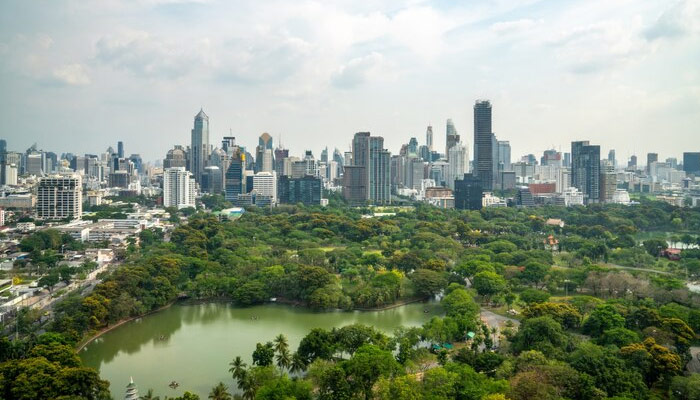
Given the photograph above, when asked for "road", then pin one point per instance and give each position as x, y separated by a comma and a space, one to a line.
497, 321
653, 271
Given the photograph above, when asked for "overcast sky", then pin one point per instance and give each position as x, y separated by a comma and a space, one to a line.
79, 75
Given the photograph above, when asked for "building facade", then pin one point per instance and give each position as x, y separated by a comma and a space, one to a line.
199, 148
179, 188
59, 197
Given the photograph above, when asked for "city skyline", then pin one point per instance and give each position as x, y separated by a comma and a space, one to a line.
390, 69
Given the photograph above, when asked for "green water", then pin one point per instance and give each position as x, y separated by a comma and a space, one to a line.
200, 340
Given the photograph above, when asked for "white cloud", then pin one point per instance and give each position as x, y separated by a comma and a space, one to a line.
507, 27
72, 74
358, 71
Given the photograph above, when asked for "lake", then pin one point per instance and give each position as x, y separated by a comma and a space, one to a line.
193, 344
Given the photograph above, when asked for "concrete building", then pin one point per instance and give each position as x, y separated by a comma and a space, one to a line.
200, 148
468, 193
458, 164
585, 170
59, 197
451, 136
265, 184
179, 188
372, 178
691, 163
176, 158
306, 190
10, 177
429, 138
483, 144
212, 180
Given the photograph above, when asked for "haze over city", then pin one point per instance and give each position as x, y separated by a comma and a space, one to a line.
76, 77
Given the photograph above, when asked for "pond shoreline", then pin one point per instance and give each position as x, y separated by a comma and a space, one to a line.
189, 301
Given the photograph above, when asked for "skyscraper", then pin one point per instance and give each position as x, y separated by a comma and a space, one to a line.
611, 158
651, 158
483, 144
199, 150
632, 162
585, 170
504, 155
264, 153
691, 163
234, 183
120, 149
178, 188
176, 157
451, 136
59, 197
468, 193
458, 164
371, 177
429, 138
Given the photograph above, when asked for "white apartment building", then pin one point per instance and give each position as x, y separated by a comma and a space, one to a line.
265, 183
572, 197
59, 197
458, 164
179, 188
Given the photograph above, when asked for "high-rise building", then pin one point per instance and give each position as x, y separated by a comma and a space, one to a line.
608, 181
483, 144
280, 154
651, 158
199, 149
179, 188
429, 138
120, 149
372, 178
3, 160
234, 182
263, 157
324, 155
632, 163
212, 180
413, 146
504, 155
265, 184
611, 158
468, 193
451, 136
458, 164
306, 190
691, 163
10, 175
59, 197
176, 157
35, 163
551, 157
585, 170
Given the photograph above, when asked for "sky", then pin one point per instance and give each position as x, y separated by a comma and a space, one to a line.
77, 76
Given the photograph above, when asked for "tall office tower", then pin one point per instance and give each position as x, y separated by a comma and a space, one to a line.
551, 157
567, 160
265, 184
324, 155
483, 144
178, 188
651, 158
212, 180
468, 193
138, 162
585, 170
199, 150
10, 175
50, 162
120, 149
458, 164
3, 151
424, 153
608, 181
611, 158
228, 143
234, 182
176, 157
35, 163
451, 136
306, 190
372, 178
280, 154
338, 158
264, 144
413, 146
504, 155
429, 138
59, 197
691, 163
632, 163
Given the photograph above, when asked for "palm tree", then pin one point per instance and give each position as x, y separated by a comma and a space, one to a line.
298, 364
281, 344
219, 392
149, 396
237, 369
284, 359
248, 386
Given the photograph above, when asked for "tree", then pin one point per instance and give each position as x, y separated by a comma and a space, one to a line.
333, 384
655, 246
608, 371
530, 296
263, 354
685, 387
543, 334
534, 272
369, 364
488, 283
351, 337
653, 360
49, 281
283, 358
563, 313
220, 392
619, 337
428, 283
319, 343
237, 369
603, 318
459, 303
